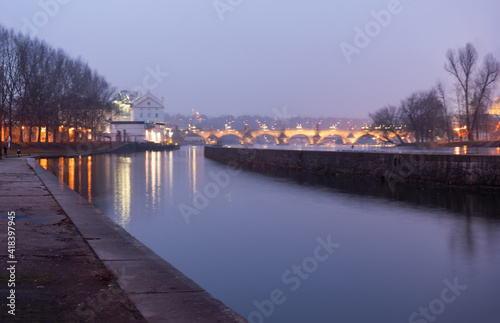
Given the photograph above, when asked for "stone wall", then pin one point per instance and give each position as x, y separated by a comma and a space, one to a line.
475, 171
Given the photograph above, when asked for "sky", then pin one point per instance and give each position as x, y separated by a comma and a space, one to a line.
276, 58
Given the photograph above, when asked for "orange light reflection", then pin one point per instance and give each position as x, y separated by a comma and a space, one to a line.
43, 162
71, 173
89, 178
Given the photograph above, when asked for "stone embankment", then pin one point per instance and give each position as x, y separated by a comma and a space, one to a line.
65, 261
468, 171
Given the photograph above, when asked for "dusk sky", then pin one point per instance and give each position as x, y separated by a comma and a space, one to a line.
272, 58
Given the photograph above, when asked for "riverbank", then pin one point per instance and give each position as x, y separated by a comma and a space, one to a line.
470, 144
74, 149
478, 172
74, 264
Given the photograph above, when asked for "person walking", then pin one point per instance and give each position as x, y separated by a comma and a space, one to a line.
19, 153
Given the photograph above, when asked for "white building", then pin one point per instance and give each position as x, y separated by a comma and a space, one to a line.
146, 123
140, 131
148, 109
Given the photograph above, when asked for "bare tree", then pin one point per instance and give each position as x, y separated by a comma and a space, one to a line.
3, 81
474, 85
10, 76
388, 120
42, 88
423, 115
440, 92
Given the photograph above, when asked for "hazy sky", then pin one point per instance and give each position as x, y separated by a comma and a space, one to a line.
314, 58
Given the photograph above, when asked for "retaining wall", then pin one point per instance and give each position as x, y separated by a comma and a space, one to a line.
475, 171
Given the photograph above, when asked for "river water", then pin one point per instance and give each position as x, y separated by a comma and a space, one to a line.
286, 247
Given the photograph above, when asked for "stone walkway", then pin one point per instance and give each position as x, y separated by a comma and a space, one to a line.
75, 265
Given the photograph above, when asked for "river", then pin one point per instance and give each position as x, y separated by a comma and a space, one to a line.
286, 247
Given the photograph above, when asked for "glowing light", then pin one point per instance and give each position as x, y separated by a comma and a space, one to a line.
89, 178
61, 172
71, 173
122, 189
43, 162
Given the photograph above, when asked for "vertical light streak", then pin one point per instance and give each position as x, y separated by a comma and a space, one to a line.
89, 178
122, 190
61, 172
43, 162
71, 173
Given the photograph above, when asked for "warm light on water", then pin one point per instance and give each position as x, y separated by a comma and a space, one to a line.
248, 232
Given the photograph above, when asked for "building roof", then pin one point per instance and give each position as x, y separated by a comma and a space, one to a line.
148, 97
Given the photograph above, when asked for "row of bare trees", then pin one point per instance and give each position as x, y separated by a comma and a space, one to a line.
42, 88
422, 114
427, 115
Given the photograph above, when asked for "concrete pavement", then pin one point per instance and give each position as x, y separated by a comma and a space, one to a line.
76, 265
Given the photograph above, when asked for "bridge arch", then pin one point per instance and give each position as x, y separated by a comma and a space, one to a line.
333, 140
300, 137
265, 139
366, 139
227, 138
194, 139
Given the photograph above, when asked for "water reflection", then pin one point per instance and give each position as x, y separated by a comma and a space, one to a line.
89, 178
170, 175
80, 173
398, 242
61, 172
153, 189
193, 171
122, 189
459, 201
43, 163
71, 173
116, 174
464, 150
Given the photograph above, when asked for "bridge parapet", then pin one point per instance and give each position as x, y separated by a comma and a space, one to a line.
315, 136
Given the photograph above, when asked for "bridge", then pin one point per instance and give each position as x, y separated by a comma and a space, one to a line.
281, 137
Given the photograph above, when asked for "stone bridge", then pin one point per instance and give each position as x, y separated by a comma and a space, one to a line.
281, 137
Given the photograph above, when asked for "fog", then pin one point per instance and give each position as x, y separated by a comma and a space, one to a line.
274, 58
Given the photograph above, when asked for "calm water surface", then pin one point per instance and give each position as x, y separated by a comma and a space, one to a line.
251, 238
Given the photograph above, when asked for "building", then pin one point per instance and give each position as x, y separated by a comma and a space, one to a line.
148, 109
495, 107
140, 131
145, 122
495, 118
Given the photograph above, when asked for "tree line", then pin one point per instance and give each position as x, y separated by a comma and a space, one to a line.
428, 115
43, 89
